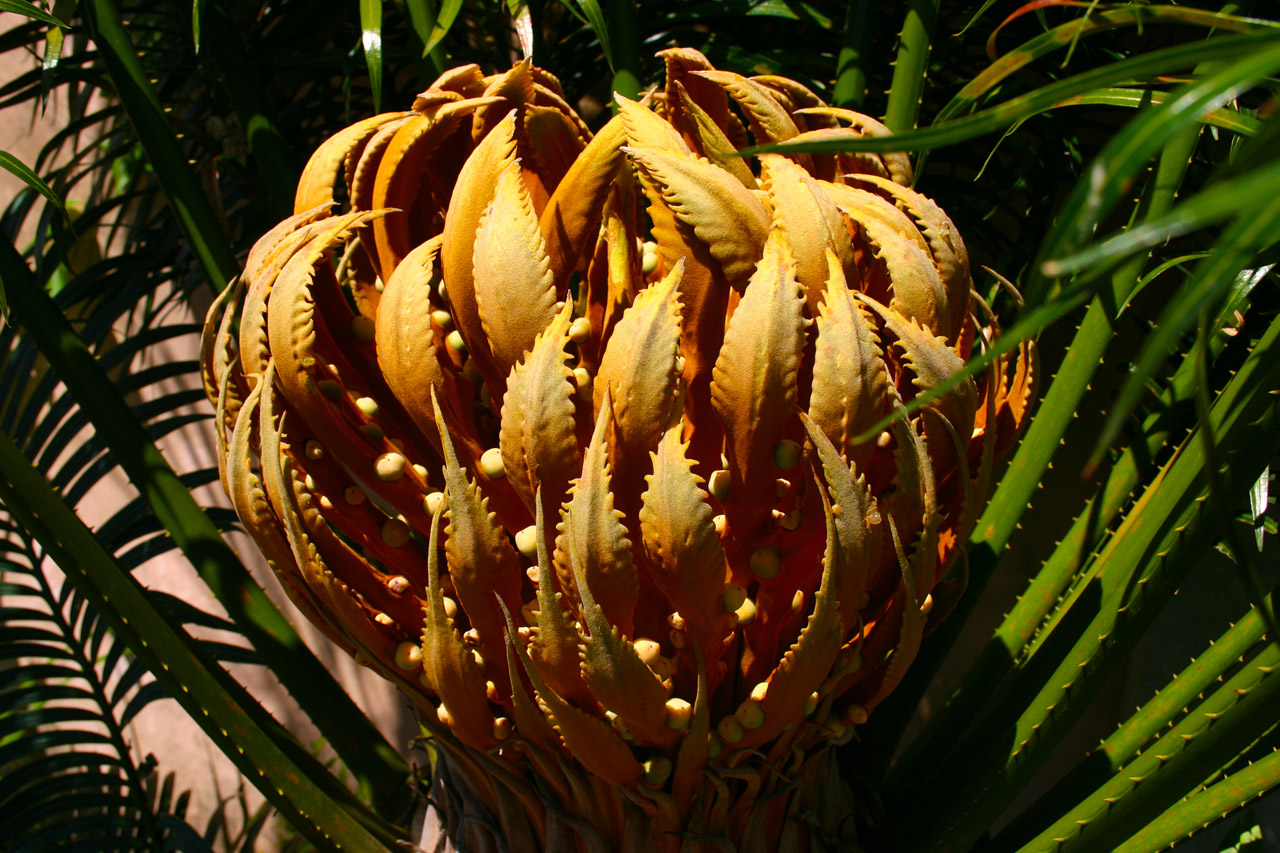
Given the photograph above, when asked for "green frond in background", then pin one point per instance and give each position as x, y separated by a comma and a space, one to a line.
1119, 163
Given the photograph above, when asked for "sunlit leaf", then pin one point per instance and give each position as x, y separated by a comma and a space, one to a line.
1258, 498
371, 39
31, 11
16, 167
443, 23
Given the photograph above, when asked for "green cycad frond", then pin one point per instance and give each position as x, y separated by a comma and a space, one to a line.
69, 690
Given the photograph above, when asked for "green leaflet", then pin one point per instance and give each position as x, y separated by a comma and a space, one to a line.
443, 23
224, 709
371, 41
347, 729
190, 205
1144, 561
30, 10
23, 172
1002, 115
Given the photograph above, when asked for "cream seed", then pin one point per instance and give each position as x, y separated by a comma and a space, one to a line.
315, 450
760, 691
679, 714
389, 467
718, 484
450, 607
677, 638
353, 495
797, 602
309, 482
580, 330
442, 291
529, 612
811, 704
747, 612
781, 487
884, 439
657, 771
750, 714
680, 364
856, 714
719, 522
492, 693
443, 715
733, 596
648, 650
368, 405
582, 379
443, 319
926, 605
434, 501
325, 503
854, 664
408, 655
395, 532
362, 328
765, 563
502, 728
472, 637
384, 619
648, 263
492, 465
649, 247
534, 574
787, 454
455, 341
730, 730
398, 585
527, 542
791, 520
420, 470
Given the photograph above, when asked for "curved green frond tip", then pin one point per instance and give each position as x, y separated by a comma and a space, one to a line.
197, 6
27, 176
444, 21
371, 40
22, 7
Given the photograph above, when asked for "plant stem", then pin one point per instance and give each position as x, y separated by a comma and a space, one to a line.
623, 18
851, 65
911, 66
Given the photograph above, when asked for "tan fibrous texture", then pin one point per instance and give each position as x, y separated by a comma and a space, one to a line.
582, 440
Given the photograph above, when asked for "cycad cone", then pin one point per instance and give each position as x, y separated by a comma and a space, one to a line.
563, 435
